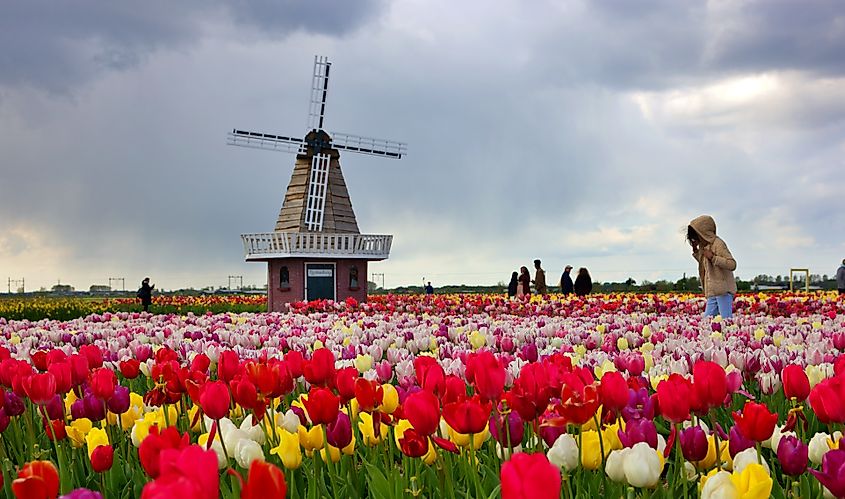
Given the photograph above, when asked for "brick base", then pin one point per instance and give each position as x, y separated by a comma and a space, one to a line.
280, 295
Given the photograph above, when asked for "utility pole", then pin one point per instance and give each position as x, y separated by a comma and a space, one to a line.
236, 278
377, 276
116, 280
18, 285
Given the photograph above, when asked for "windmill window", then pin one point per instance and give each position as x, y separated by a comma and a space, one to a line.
353, 277
284, 277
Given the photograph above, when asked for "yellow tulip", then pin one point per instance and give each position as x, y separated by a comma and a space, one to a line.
70, 398
399, 430
710, 459
477, 340
390, 398
334, 453
95, 438
365, 424
288, 449
311, 439
753, 482
463, 440
590, 425
77, 430
363, 363
591, 456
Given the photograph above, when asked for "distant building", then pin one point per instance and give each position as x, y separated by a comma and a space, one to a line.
99, 289
62, 289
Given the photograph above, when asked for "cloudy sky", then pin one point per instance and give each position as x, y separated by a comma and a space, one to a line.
579, 132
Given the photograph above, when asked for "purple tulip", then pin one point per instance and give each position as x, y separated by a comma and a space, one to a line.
737, 442
13, 405
55, 408
82, 494
832, 474
339, 433
638, 430
792, 454
694, 444
119, 403
94, 408
77, 409
516, 430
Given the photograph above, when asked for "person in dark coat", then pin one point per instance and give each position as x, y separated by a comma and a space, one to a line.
512, 285
583, 283
566, 286
145, 293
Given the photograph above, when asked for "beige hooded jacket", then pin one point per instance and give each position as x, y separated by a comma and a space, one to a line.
716, 274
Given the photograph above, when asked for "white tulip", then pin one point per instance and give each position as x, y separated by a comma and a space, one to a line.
615, 465
564, 453
746, 457
290, 421
719, 486
819, 446
502, 453
254, 432
247, 451
642, 466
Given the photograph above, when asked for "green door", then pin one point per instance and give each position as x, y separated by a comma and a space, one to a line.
319, 279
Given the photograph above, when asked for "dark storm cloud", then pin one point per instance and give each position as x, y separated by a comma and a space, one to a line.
55, 45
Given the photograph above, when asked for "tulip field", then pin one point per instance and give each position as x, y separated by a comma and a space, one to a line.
453, 396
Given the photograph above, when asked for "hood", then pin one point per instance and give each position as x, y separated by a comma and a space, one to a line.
706, 227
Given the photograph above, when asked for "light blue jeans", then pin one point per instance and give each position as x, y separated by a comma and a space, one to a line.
720, 305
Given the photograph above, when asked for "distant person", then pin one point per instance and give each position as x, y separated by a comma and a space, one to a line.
583, 284
840, 278
715, 266
145, 293
524, 288
429, 290
566, 286
540, 279
512, 286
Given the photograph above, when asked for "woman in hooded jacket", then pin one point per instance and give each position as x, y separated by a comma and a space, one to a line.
715, 266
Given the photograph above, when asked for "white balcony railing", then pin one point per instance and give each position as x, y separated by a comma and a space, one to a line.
315, 244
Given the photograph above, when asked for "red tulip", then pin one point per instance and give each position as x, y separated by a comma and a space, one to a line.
78, 369
530, 476
295, 363
579, 400
201, 363
828, 400
102, 458
430, 375
755, 422
487, 374
413, 444
102, 382
322, 406
456, 389
36, 480
423, 412
244, 392
156, 441
796, 384
188, 473
530, 393
39, 360
264, 480
215, 399
345, 382
227, 365
673, 398
62, 373
468, 416
710, 385
368, 393
58, 429
130, 369
320, 370
40, 388
613, 391
93, 354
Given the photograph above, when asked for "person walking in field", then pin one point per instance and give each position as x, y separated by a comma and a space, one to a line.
566, 286
513, 285
524, 287
583, 282
540, 279
715, 266
840, 278
145, 293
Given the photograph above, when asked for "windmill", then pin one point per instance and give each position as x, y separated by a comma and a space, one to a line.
316, 250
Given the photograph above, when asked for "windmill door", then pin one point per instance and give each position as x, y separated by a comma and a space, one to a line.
319, 281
